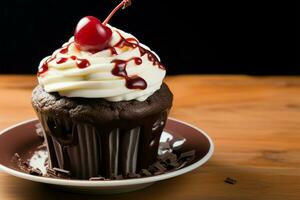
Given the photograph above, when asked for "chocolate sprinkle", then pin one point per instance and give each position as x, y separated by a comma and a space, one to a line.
230, 181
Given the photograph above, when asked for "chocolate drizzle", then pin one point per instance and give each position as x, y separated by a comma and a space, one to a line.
132, 82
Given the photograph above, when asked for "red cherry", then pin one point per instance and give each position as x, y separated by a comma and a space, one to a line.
91, 35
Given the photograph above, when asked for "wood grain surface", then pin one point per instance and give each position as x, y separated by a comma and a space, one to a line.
254, 122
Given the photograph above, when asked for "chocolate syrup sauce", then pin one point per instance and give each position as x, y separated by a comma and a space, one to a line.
134, 82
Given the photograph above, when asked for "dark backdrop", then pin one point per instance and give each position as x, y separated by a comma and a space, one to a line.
251, 37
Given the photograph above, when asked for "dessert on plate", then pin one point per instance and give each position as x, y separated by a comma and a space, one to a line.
102, 102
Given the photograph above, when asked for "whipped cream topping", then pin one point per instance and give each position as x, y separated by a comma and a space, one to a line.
126, 70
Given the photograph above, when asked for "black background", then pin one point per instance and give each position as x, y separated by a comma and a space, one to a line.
231, 37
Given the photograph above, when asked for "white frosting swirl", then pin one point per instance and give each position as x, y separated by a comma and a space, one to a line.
97, 80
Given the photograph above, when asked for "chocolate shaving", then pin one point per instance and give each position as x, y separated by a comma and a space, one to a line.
100, 178
181, 165
42, 146
164, 157
158, 173
152, 169
133, 175
118, 177
168, 156
145, 172
159, 166
51, 173
24, 165
16, 157
164, 146
61, 171
188, 154
35, 171
39, 130
230, 181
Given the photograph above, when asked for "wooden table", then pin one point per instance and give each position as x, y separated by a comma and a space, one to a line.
254, 122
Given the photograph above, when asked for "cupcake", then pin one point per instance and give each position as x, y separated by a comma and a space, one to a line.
102, 102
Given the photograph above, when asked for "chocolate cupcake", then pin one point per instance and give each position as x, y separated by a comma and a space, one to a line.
102, 102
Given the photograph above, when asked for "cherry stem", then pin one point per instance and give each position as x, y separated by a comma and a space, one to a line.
123, 4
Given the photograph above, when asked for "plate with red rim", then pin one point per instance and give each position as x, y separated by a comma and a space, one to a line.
22, 139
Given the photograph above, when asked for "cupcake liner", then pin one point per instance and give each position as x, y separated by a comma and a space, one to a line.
88, 150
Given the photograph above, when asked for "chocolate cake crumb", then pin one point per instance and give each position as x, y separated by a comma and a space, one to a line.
231, 181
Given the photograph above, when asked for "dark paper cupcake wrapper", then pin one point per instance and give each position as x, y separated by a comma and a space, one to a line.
87, 150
